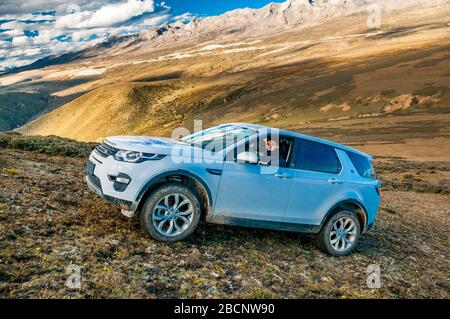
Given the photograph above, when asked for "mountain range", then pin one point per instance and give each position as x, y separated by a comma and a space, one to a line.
284, 64
275, 17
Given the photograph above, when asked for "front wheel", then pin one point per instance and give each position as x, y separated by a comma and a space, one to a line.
171, 213
340, 234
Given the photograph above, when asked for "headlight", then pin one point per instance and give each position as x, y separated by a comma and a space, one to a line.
135, 157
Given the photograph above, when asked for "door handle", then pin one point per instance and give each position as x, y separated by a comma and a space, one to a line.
214, 171
281, 175
334, 181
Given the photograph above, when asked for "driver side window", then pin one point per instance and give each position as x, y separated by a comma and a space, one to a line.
266, 151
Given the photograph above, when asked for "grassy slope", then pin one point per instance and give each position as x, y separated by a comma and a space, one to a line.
281, 97
16, 108
108, 110
27, 99
50, 220
50, 145
327, 73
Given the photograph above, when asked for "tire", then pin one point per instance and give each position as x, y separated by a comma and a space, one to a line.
340, 242
161, 218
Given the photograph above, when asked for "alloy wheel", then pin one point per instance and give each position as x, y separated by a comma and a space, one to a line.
342, 234
173, 215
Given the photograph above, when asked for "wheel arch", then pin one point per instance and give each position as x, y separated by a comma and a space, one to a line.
351, 204
178, 176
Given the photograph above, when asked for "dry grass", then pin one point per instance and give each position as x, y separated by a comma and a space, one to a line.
50, 220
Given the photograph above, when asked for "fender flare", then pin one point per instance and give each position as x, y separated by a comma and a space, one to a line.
343, 202
181, 172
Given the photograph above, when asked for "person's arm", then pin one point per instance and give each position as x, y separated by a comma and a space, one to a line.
263, 160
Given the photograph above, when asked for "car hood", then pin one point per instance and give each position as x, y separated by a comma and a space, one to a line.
145, 144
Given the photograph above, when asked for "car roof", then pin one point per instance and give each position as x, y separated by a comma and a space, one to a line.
299, 135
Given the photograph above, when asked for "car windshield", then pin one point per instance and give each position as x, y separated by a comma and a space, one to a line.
216, 139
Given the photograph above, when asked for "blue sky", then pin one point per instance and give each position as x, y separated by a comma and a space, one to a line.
214, 7
33, 29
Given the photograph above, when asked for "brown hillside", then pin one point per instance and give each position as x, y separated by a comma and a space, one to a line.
330, 71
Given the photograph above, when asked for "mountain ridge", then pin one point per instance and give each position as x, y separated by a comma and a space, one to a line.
271, 18
327, 70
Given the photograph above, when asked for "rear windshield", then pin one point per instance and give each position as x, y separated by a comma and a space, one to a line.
362, 164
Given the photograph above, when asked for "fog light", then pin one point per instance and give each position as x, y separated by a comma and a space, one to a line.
123, 180
120, 179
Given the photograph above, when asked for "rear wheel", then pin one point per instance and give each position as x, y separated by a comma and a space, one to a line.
340, 234
171, 213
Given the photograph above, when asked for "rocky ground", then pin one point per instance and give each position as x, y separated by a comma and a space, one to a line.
49, 220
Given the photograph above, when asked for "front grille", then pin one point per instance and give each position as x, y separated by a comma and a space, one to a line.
105, 150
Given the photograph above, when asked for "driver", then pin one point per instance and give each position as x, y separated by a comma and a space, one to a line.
266, 156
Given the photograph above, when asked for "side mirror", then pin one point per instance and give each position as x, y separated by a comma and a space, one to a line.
247, 157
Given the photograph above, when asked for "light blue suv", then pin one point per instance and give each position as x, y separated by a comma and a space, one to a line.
239, 174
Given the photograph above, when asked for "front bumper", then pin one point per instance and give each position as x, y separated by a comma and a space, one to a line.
95, 185
103, 172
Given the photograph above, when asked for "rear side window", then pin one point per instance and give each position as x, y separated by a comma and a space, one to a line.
362, 164
317, 157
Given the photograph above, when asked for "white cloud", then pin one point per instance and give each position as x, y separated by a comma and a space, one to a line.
12, 25
83, 34
28, 17
30, 6
12, 33
34, 29
105, 16
185, 16
12, 63
157, 20
20, 41
32, 52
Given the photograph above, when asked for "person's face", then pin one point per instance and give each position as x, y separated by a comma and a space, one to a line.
271, 145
